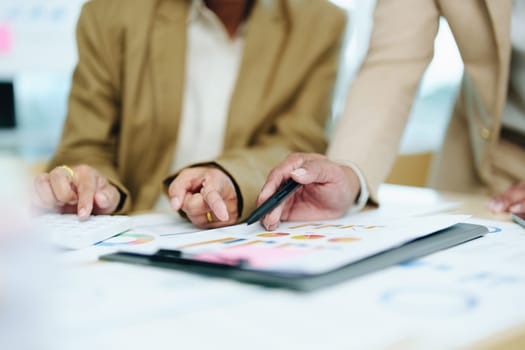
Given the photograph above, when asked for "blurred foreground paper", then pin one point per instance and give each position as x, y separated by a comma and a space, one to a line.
5, 39
25, 282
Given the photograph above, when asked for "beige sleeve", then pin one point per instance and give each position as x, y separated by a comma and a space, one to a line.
298, 127
379, 100
90, 133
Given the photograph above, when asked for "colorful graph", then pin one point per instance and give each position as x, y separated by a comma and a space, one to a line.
127, 239
220, 240
273, 234
308, 237
344, 239
352, 227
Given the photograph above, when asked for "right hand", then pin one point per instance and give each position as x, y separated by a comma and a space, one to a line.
329, 189
85, 193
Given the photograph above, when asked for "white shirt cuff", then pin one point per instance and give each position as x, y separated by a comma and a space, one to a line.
364, 194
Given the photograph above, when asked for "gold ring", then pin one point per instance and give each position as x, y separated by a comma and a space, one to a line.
69, 170
209, 217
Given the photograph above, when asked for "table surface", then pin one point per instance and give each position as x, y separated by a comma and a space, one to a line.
473, 204
143, 301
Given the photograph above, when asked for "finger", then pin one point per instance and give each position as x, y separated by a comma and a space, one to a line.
44, 196
107, 197
202, 221
278, 175
186, 182
291, 167
194, 206
62, 186
510, 198
518, 207
214, 192
272, 220
214, 200
317, 171
86, 187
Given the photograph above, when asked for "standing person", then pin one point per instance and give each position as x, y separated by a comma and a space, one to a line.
484, 149
215, 92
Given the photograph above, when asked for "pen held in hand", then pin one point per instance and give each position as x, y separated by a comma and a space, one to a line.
282, 193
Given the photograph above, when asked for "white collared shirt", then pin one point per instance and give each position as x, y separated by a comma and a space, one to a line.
212, 64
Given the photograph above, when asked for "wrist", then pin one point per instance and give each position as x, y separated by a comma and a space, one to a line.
355, 179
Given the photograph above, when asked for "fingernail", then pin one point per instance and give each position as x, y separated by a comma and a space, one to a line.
299, 172
175, 203
516, 208
82, 213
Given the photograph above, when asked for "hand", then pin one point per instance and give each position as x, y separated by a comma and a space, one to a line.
512, 200
328, 190
83, 192
206, 195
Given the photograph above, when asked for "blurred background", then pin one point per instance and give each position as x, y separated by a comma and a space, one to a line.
38, 55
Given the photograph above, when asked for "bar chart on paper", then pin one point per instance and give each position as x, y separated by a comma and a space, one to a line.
308, 247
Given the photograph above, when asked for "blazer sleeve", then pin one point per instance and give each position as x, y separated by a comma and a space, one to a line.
91, 130
300, 127
379, 100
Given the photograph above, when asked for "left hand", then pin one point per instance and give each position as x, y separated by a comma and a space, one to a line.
512, 200
204, 193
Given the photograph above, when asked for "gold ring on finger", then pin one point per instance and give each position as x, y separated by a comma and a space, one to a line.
69, 170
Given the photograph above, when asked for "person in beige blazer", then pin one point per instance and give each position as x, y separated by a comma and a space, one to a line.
477, 155
120, 134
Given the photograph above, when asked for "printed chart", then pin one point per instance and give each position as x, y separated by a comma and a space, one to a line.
127, 239
308, 247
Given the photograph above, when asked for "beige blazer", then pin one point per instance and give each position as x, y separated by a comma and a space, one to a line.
380, 98
125, 101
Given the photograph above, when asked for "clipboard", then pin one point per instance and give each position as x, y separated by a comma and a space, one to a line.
174, 259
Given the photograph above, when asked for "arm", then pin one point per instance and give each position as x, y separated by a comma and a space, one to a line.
299, 128
297, 125
91, 131
379, 101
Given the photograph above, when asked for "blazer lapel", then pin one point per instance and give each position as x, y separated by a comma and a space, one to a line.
168, 56
500, 16
264, 39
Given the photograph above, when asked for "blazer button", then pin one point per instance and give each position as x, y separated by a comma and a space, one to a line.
485, 134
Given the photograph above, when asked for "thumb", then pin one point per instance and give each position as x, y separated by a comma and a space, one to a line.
107, 197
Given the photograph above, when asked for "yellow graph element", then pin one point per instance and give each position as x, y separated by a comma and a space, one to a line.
303, 225
206, 242
343, 239
325, 226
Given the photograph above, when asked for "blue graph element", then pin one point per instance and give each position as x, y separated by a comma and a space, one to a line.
493, 229
419, 263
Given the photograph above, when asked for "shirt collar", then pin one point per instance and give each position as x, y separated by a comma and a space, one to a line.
199, 12
196, 9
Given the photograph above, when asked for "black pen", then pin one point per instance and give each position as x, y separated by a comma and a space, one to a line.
284, 191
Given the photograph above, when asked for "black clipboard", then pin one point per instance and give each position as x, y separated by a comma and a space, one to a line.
416, 248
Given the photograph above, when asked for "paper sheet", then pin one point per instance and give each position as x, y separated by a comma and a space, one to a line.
5, 38
308, 247
446, 300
